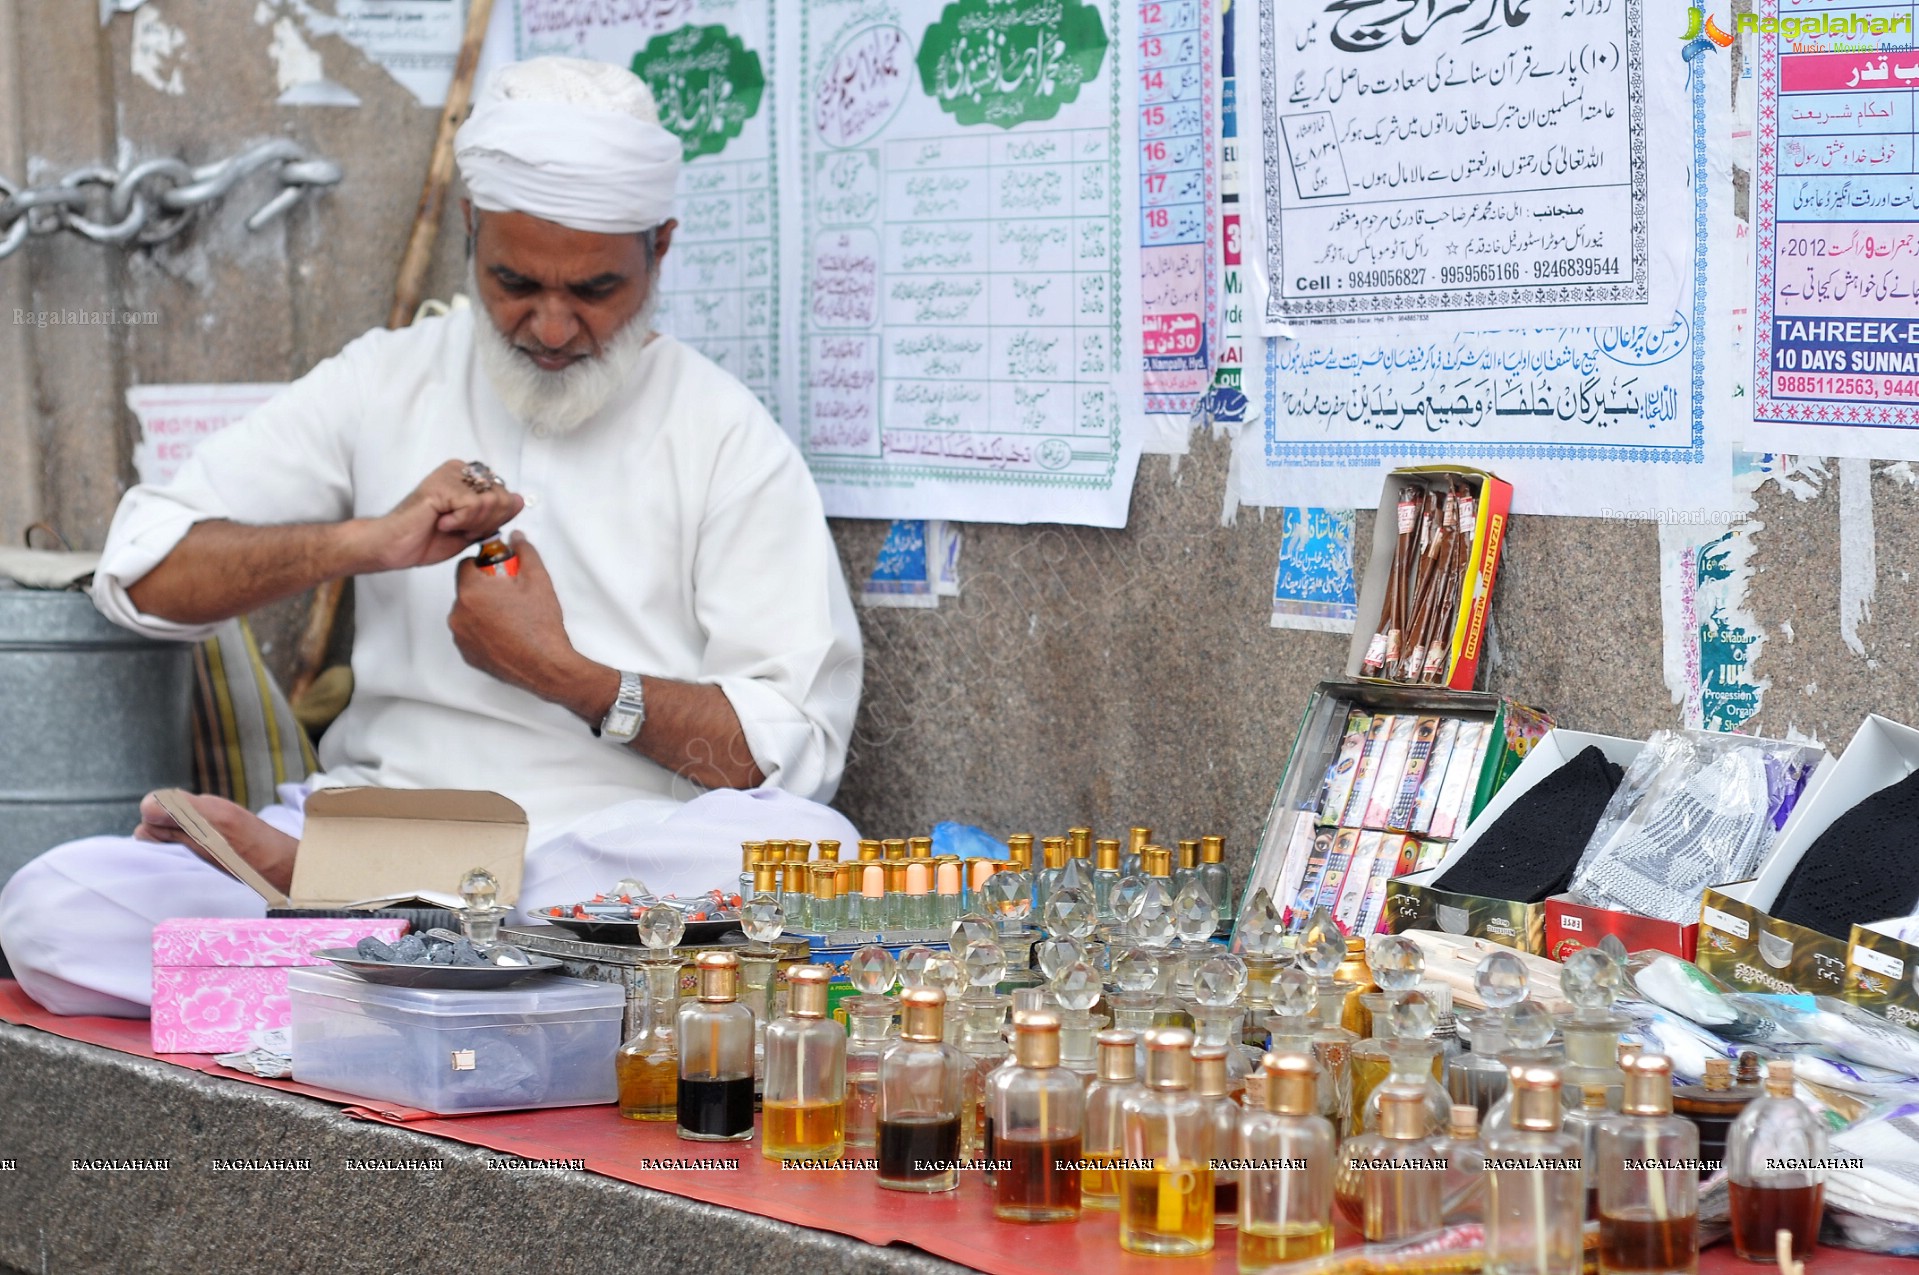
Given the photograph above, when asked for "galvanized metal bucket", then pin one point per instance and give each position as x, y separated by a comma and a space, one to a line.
92, 718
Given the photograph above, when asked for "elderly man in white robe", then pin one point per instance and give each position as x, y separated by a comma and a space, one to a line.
675, 666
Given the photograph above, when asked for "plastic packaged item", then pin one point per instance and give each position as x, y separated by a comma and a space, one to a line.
1687, 990
1844, 1029
547, 1043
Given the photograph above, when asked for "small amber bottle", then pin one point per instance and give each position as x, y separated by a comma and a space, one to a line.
804, 1115
497, 558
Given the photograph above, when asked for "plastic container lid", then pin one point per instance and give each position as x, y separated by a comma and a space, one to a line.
546, 997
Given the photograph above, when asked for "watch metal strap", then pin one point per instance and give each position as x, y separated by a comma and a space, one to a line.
623, 720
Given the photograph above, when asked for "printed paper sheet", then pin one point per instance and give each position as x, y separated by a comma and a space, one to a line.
710, 64
1621, 419
1836, 349
969, 314
1455, 162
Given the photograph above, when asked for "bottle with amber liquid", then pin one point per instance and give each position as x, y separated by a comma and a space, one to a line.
919, 1115
1104, 1140
1535, 1184
803, 1116
715, 1100
1386, 1183
497, 558
1286, 1193
1039, 1108
648, 1064
1648, 1179
1167, 1210
1211, 1082
1771, 1157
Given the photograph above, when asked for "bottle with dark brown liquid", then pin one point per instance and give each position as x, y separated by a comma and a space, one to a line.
919, 1108
715, 1102
1038, 1110
1773, 1156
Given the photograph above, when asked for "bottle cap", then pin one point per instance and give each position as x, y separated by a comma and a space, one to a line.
1535, 1099
946, 879
719, 976
979, 872
869, 850
1108, 854
1628, 1050
849, 882
919, 847
894, 871
1169, 1058
1648, 1086
873, 881
750, 855
796, 851
1402, 1111
1156, 861
1464, 1126
1036, 1039
766, 878
1136, 839
1212, 849
793, 877
917, 875
826, 880
830, 851
1079, 842
895, 848
1019, 850
1718, 1074
1053, 850
1748, 1067
1118, 1059
1292, 1084
1189, 852
923, 1015
806, 990
1779, 1078
1209, 1071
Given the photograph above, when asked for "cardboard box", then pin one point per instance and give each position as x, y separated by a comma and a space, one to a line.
217, 980
366, 846
1882, 974
1514, 728
1492, 513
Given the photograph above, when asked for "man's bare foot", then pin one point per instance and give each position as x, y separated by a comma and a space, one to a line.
266, 849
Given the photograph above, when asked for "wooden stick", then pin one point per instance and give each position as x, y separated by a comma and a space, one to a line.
324, 610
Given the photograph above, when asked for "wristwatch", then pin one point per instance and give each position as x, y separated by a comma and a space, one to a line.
628, 714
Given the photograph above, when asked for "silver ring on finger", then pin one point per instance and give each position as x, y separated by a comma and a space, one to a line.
476, 475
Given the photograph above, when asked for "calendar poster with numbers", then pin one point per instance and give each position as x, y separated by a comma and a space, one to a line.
710, 66
969, 315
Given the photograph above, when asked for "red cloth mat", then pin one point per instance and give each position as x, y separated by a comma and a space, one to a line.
956, 1225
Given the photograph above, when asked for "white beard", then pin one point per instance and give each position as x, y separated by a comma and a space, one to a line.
560, 402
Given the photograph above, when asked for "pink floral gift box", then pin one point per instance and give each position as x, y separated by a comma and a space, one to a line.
217, 980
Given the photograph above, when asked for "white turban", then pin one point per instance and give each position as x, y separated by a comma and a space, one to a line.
570, 141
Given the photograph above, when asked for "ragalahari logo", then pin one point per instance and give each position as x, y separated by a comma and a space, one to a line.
1703, 31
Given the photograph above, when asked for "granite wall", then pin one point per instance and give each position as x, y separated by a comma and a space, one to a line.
1083, 676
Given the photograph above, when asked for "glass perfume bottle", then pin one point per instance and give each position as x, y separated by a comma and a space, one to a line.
916, 913
1185, 863
804, 1114
1583, 1122
1131, 862
823, 898
893, 904
1038, 1114
750, 852
1648, 1179
1195, 917
1716, 1101
1076, 989
1210, 1083
1479, 1077
1260, 940
1769, 1157
1535, 1184
1218, 1012
1529, 1029
1591, 979
1290, 1026
715, 1100
1411, 1058
763, 920
947, 877
1462, 1195
1167, 1209
1077, 872
1104, 1140
1286, 1192
1053, 861
919, 1114
869, 1030
1105, 877
649, 1062
1213, 876
983, 1011
1386, 1183
1009, 901
872, 897
1321, 950
794, 900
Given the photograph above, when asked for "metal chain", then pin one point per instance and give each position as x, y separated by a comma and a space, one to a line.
154, 200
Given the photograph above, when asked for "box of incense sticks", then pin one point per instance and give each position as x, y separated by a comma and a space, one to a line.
1337, 774
1428, 586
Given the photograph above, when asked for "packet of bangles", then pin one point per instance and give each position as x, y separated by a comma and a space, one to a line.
1428, 587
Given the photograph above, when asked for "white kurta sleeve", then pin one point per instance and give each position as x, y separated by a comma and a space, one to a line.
289, 461
781, 637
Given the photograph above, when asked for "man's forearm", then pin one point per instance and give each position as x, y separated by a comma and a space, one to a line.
222, 569
690, 728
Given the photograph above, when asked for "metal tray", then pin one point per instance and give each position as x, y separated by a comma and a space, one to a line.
472, 978
606, 929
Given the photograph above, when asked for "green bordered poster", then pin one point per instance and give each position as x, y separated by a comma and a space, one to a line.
968, 318
710, 65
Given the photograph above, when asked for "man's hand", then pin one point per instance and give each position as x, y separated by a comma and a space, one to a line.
441, 517
511, 627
